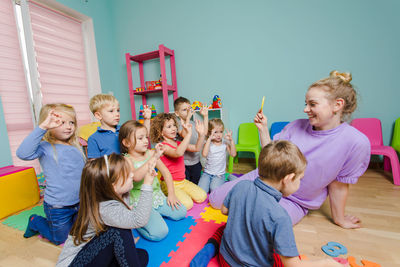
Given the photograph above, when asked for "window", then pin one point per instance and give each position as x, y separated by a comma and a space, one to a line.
61, 64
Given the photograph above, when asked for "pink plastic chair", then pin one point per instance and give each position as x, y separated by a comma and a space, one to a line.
372, 128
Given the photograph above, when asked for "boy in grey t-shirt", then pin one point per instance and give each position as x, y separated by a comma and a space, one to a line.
184, 112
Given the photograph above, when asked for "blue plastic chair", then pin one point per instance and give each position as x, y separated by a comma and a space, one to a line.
277, 127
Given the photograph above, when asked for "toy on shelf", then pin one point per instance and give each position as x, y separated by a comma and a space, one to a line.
140, 89
153, 113
158, 84
216, 102
150, 85
162, 54
196, 105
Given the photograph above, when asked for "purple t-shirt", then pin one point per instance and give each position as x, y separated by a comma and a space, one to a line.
341, 154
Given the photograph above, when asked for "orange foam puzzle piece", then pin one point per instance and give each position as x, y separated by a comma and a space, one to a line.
352, 262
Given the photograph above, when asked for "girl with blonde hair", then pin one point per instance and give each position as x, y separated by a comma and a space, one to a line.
54, 142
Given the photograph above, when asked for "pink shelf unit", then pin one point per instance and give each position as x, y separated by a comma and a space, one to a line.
161, 53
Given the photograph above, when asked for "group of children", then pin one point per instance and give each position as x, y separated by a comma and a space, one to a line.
80, 205
92, 204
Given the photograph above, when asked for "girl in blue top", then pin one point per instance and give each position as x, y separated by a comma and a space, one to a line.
54, 142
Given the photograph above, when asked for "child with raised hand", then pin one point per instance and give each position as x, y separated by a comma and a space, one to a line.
255, 218
184, 112
54, 142
134, 145
215, 151
164, 129
101, 234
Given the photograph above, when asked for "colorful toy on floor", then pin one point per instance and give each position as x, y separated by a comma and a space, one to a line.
352, 262
19, 189
334, 249
216, 102
341, 260
197, 105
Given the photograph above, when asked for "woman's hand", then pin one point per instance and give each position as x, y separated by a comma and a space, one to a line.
53, 120
173, 201
261, 121
349, 222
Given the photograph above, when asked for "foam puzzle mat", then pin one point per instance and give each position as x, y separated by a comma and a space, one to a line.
20, 220
185, 238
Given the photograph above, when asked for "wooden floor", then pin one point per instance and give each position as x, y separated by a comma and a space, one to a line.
374, 199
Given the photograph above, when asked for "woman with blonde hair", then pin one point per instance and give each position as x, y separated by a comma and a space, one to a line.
337, 153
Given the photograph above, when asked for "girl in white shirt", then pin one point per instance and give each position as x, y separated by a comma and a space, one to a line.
215, 151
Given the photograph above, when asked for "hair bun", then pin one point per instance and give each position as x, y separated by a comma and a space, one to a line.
344, 76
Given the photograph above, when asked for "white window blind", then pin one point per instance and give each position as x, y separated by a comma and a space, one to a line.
13, 86
60, 56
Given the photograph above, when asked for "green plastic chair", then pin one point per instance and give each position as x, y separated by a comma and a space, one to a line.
396, 136
248, 141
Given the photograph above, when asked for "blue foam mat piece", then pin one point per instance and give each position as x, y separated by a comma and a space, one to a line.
159, 251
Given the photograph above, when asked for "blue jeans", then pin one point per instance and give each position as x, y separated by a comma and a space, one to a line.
157, 229
57, 224
208, 182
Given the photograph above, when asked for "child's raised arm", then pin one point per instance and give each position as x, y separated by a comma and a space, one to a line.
204, 113
29, 148
200, 128
231, 147
180, 150
141, 172
206, 147
147, 117
183, 132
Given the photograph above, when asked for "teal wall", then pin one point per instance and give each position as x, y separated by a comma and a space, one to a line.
243, 50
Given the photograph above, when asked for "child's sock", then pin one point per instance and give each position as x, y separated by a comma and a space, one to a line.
29, 232
204, 256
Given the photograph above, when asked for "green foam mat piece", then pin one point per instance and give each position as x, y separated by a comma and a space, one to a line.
20, 221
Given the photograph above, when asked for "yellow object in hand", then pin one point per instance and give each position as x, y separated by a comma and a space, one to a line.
262, 103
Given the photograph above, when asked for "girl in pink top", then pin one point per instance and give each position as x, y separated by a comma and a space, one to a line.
164, 129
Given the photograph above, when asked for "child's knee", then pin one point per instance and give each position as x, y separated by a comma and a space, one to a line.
179, 213
159, 233
200, 196
188, 203
155, 233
